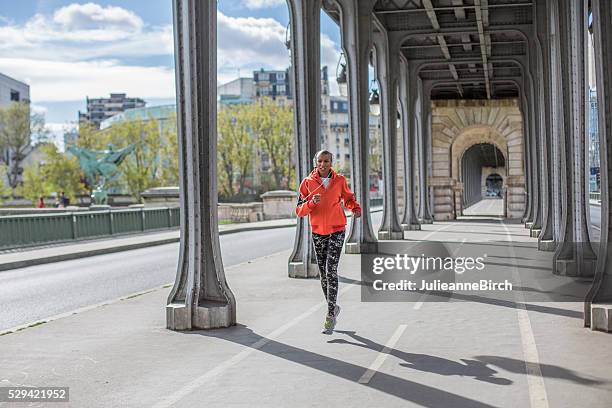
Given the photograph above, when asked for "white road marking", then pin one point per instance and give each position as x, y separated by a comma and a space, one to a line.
535, 381
382, 355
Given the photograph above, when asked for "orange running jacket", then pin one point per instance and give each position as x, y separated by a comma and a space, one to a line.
326, 216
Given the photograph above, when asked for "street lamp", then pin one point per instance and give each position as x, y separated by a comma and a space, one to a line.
341, 76
374, 100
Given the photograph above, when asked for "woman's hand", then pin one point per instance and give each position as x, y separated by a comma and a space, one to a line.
316, 198
357, 213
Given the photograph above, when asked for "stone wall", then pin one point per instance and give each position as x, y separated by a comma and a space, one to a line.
459, 124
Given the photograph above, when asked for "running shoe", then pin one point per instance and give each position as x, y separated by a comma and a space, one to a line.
329, 324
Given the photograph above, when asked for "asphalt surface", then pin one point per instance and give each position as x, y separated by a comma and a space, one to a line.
38, 292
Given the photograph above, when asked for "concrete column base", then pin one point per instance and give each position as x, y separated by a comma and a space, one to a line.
528, 225
534, 233
411, 227
547, 245
601, 317
300, 270
390, 235
209, 315
426, 221
568, 267
361, 248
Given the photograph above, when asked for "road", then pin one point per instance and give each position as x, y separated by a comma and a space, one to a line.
38, 292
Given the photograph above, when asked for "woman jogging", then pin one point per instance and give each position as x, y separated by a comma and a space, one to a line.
321, 193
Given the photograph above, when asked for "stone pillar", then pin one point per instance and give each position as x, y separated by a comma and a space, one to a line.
425, 138
574, 256
407, 99
305, 64
201, 297
356, 30
598, 303
387, 48
545, 239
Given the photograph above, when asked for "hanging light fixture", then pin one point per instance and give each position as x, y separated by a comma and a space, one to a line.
341, 78
288, 36
374, 100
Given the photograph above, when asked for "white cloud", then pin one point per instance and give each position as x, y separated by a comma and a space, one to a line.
260, 4
93, 16
71, 81
80, 32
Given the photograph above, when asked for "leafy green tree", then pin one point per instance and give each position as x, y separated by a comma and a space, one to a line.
272, 126
34, 184
61, 172
18, 129
91, 138
169, 154
235, 149
4, 188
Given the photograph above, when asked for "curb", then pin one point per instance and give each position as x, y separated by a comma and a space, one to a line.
120, 248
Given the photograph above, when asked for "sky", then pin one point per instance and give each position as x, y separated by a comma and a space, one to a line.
67, 50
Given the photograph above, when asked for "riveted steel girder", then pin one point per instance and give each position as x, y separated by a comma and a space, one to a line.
601, 290
200, 297
386, 64
574, 256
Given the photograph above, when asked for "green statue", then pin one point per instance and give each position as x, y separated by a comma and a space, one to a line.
100, 167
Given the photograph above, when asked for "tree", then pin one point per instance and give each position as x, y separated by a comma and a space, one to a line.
141, 169
61, 172
34, 184
169, 154
4, 189
235, 149
18, 128
272, 125
90, 137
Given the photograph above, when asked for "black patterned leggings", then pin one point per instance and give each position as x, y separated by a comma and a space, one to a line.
328, 249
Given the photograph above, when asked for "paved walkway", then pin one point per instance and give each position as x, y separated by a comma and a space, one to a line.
463, 351
486, 206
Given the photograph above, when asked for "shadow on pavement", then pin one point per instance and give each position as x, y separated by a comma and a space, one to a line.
420, 394
549, 371
423, 362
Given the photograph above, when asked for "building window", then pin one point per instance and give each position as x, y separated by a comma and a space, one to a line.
280, 75
14, 96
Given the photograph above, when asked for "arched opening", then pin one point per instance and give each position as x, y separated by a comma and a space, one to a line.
481, 166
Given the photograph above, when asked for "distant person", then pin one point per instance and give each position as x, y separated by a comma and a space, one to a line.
321, 195
40, 203
64, 201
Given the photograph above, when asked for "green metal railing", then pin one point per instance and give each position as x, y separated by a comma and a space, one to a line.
17, 231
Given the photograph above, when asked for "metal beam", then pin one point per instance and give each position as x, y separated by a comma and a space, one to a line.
451, 8
462, 44
482, 21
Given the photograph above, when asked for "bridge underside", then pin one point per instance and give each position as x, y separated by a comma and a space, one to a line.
462, 73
